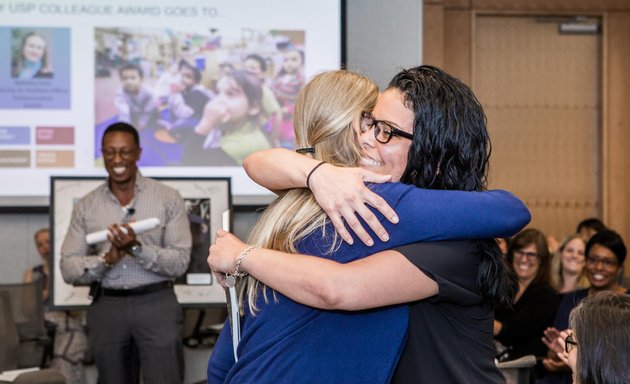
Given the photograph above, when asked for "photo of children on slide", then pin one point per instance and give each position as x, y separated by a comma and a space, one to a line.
198, 99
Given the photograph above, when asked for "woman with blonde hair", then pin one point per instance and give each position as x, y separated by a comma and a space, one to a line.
283, 341
567, 265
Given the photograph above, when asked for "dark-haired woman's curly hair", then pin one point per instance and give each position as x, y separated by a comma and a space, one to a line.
451, 149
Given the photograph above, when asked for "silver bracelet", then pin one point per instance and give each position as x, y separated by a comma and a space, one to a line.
239, 260
230, 278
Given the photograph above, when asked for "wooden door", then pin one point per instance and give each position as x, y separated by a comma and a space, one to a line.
541, 91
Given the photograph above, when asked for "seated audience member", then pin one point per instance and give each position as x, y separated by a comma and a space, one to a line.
520, 327
567, 265
606, 253
70, 340
597, 345
588, 227
135, 104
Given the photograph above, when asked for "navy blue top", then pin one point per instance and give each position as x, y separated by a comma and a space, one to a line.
569, 301
288, 342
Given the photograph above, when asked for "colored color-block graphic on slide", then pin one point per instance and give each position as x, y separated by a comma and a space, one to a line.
15, 159
54, 159
54, 135
15, 135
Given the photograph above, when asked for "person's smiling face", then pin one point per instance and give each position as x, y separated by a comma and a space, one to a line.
572, 256
34, 48
389, 158
602, 267
120, 154
526, 263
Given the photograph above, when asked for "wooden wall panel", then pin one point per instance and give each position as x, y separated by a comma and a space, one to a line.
541, 93
433, 34
617, 131
552, 5
457, 4
614, 184
457, 43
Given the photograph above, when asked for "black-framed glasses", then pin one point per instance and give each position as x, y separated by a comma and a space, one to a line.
592, 261
529, 255
570, 340
124, 153
383, 131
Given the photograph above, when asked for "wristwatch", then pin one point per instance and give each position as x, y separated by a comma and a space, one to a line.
136, 249
103, 260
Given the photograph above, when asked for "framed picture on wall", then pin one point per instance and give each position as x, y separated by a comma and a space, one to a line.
205, 198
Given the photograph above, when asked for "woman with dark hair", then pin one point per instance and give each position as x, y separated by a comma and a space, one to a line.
605, 254
596, 346
520, 325
32, 60
427, 129
588, 227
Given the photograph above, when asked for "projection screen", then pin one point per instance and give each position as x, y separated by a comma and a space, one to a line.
204, 82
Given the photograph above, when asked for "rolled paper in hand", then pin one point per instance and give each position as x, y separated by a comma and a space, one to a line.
137, 226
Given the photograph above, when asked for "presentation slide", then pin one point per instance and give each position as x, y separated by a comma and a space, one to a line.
204, 82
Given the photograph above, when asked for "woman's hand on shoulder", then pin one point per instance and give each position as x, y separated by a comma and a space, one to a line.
342, 194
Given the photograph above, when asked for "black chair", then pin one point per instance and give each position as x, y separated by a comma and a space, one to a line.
202, 335
10, 348
27, 307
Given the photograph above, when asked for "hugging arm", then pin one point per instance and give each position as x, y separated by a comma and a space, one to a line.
344, 197
279, 169
382, 279
387, 277
432, 215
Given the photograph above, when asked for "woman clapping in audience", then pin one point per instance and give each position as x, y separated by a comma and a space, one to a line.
519, 328
606, 253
